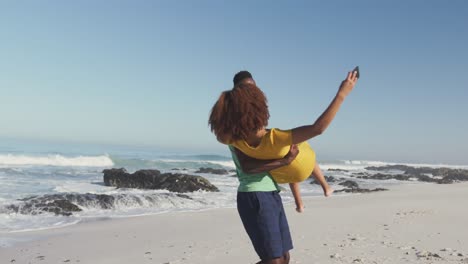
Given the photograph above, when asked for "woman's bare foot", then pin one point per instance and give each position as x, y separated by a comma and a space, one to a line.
328, 191
299, 206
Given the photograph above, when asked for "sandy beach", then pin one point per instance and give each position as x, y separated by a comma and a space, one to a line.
416, 223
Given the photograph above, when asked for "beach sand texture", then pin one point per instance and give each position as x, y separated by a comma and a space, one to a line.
415, 223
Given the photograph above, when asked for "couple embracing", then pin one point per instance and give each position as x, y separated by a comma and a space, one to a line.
265, 157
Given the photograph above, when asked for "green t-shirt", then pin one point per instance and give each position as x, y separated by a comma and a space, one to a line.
260, 182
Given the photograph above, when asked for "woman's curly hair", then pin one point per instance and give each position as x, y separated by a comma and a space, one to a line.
239, 112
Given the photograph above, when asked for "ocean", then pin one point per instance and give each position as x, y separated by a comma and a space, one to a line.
33, 169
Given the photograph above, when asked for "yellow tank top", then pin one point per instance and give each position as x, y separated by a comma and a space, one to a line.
275, 144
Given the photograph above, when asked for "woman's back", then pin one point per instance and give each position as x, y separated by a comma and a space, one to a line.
275, 144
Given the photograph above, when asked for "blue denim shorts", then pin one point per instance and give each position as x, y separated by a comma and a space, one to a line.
263, 216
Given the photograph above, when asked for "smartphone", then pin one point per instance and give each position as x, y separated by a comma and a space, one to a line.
356, 70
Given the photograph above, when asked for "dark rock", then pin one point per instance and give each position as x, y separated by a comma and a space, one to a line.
212, 171
184, 196
39, 205
337, 170
329, 179
154, 179
349, 184
454, 176
380, 176
443, 175
399, 177
359, 190
360, 174
68, 203
428, 255
353, 187
388, 167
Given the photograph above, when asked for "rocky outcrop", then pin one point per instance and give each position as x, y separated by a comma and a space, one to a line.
349, 184
360, 190
329, 179
212, 171
154, 179
439, 175
360, 174
68, 203
339, 170
353, 187
44, 204
381, 176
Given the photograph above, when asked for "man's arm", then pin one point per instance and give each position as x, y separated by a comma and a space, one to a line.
250, 165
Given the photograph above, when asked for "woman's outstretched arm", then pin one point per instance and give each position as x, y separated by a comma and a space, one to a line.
303, 133
250, 165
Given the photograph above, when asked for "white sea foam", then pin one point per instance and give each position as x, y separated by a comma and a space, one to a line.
368, 163
227, 163
126, 203
82, 175
11, 223
80, 187
350, 165
56, 160
361, 165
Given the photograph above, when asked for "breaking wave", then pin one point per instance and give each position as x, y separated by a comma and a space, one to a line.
56, 160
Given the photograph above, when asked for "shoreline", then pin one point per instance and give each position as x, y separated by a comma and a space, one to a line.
420, 223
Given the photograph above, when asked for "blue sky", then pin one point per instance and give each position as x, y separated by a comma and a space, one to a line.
148, 72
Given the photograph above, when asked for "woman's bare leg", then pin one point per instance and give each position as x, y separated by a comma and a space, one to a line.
318, 175
295, 189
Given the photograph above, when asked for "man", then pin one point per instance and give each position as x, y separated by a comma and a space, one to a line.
242, 114
259, 203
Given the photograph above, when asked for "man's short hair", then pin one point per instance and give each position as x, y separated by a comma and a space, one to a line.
241, 76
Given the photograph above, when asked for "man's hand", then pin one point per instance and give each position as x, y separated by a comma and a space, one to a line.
293, 151
251, 165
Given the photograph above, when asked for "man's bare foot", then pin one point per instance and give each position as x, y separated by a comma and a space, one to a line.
327, 192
